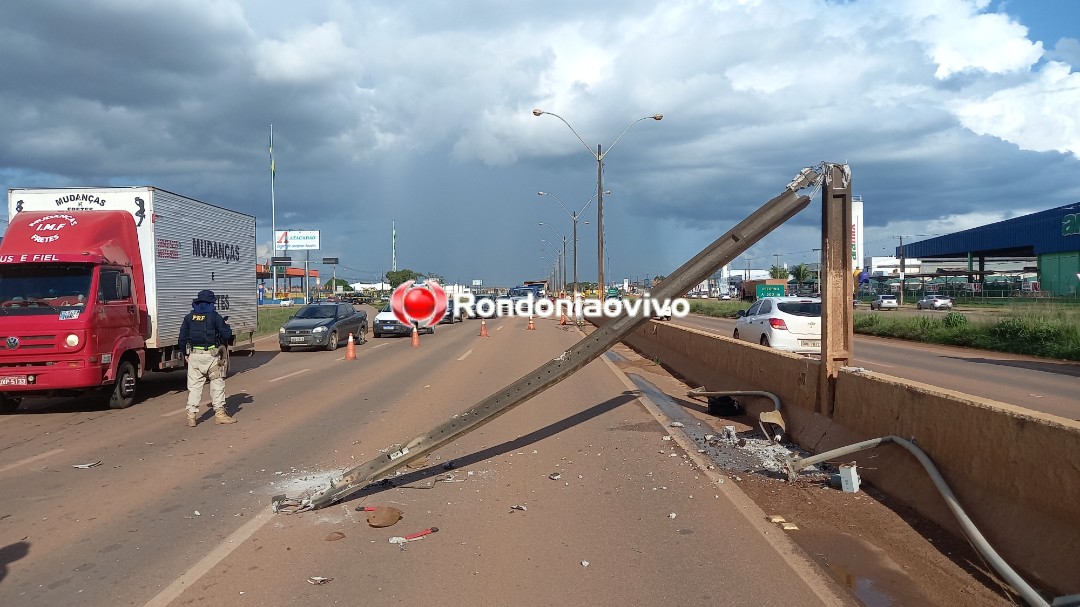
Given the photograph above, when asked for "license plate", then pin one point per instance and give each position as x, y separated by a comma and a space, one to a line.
18, 380
297, 340
810, 343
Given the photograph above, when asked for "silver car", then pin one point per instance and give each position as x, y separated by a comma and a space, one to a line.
935, 302
884, 302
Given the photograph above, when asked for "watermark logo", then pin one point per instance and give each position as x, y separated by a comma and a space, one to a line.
423, 304
576, 307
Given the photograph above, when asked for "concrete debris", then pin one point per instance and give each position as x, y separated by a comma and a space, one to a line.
554, 476
776, 519
517, 507
676, 425
789, 527
729, 433
584, 563
316, 580
672, 515
85, 466
667, 437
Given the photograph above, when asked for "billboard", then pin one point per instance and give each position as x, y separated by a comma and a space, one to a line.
856, 232
297, 240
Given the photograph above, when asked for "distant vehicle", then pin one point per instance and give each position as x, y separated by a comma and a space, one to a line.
322, 325
524, 292
884, 302
660, 314
285, 303
613, 293
935, 302
791, 324
453, 313
773, 287
475, 310
386, 323
724, 297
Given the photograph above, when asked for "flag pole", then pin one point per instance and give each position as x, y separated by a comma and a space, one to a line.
273, 217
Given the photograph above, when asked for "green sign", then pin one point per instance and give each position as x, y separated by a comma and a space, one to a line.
769, 291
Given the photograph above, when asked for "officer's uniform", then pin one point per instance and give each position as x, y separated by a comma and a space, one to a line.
203, 332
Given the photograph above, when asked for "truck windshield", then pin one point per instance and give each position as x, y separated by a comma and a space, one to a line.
522, 292
43, 289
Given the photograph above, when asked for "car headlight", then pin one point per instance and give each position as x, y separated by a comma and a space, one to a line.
319, 330
281, 331
71, 340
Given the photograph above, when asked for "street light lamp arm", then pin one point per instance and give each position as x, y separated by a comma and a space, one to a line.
557, 200
605, 153
587, 146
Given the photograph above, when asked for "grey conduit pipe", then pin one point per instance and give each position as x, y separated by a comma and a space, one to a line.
794, 464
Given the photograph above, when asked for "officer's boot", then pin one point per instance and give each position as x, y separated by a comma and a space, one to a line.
191, 420
221, 417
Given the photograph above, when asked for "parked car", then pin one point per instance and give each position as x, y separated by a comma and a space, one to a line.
791, 324
322, 325
285, 303
453, 313
935, 302
884, 302
386, 323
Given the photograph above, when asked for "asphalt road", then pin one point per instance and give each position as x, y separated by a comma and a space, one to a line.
178, 516
1039, 384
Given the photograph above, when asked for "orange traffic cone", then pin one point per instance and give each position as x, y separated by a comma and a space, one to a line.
415, 337
532, 327
350, 351
483, 328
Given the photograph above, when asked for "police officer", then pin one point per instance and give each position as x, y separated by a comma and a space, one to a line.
203, 336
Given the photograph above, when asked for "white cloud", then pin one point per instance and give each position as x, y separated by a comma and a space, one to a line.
1038, 115
309, 55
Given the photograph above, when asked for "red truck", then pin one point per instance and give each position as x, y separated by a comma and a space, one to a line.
95, 282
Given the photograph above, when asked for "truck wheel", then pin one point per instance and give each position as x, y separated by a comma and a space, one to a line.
331, 342
122, 395
9, 404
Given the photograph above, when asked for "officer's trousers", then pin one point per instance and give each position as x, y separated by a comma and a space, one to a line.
203, 366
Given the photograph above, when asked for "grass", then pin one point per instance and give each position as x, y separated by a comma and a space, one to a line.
1041, 328
272, 317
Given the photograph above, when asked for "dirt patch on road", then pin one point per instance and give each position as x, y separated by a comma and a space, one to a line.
883, 552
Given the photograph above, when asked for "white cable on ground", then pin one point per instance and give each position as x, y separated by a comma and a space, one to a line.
794, 464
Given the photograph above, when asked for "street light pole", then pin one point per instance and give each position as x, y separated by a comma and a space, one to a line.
563, 239
574, 216
599, 156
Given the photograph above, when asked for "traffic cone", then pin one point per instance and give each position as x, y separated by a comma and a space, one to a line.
483, 328
350, 351
415, 337
532, 327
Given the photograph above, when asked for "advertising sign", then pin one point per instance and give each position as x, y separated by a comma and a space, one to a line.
297, 240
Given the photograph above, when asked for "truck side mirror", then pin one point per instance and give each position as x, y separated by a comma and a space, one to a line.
123, 286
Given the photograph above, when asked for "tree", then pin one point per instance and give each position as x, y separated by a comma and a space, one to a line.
332, 284
778, 272
398, 277
436, 277
802, 274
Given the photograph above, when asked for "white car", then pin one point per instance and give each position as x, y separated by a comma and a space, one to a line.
285, 303
791, 324
884, 302
935, 302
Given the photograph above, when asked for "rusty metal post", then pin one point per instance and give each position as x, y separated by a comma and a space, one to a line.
721, 252
837, 287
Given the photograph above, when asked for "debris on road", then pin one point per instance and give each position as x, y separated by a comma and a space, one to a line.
584, 563
419, 535
517, 507
672, 515
85, 466
335, 536
317, 581
197, 513
381, 516
676, 425
555, 476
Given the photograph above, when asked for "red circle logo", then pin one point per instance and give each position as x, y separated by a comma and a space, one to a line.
423, 304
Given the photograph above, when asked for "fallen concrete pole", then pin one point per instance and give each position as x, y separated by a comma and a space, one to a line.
723, 251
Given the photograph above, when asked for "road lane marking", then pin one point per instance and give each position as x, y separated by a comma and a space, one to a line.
385, 343
498, 327
172, 413
289, 375
466, 354
212, 558
27, 460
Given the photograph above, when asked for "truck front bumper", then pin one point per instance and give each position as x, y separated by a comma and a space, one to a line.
50, 378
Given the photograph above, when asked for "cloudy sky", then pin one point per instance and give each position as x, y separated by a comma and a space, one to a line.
951, 113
